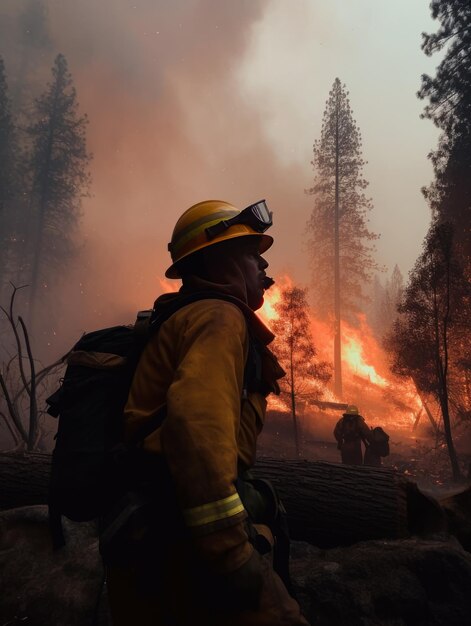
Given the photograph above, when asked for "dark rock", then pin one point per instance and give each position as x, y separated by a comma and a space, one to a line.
409, 582
43, 587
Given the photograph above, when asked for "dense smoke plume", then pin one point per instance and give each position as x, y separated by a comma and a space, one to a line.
169, 126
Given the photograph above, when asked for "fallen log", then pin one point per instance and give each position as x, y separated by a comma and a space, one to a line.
24, 479
331, 504
328, 504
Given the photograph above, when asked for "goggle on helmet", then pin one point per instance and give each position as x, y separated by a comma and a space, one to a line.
212, 221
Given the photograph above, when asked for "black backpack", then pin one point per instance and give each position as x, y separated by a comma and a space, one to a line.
89, 462
380, 441
89, 405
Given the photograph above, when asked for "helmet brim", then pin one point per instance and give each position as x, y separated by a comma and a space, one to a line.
239, 231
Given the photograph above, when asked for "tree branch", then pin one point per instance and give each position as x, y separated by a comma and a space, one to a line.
9, 316
33, 411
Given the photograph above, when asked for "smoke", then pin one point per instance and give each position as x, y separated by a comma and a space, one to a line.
169, 126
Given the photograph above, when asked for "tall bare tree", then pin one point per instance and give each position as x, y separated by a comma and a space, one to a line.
294, 346
60, 178
339, 239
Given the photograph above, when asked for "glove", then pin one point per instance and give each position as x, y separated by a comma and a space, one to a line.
239, 590
228, 569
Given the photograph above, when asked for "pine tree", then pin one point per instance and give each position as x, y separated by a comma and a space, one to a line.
422, 339
339, 239
8, 178
294, 346
60, 179
449, 107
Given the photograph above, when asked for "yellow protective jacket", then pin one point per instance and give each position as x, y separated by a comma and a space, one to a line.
195, 366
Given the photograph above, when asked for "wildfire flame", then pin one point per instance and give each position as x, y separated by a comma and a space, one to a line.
363, 359
268, 312
353, 355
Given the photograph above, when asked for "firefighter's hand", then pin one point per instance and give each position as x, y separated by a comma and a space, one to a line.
228, 569
239, 590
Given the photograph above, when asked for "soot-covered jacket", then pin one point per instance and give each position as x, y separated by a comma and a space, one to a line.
195, 366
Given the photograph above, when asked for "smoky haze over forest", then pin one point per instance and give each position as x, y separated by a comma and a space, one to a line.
172, 122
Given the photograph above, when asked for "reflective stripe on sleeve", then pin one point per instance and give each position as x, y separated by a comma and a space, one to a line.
213, 511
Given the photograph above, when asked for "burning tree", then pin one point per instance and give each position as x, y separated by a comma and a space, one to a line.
338, 235
294, 346
60, 178
434, 304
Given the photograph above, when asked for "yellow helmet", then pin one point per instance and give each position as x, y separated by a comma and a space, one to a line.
351, 410
212, 221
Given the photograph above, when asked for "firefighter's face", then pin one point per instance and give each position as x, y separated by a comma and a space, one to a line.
238, 262
253, 267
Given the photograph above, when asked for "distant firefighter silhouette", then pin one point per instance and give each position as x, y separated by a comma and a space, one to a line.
350, 431
377, 448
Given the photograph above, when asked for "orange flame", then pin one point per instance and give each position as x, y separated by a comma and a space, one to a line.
353, 355
271, 298
169, 286
363, 359
268, 312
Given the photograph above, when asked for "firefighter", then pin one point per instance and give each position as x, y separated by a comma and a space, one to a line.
350, 431
209, 368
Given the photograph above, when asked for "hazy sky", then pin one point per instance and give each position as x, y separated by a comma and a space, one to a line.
373, 46
197, 99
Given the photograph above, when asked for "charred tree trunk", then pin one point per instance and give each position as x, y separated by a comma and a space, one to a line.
327, 504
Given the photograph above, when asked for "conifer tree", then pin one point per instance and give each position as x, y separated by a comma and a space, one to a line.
294, 346
60, 179
338, 236
449, 107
